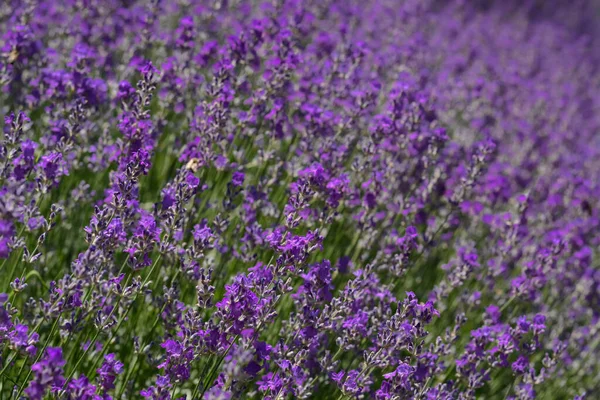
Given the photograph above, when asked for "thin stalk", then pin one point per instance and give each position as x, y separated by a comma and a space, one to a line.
123, 317
50, 335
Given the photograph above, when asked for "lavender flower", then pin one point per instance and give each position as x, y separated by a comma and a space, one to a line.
298, 199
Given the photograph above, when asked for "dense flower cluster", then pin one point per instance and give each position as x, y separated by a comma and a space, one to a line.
351, 199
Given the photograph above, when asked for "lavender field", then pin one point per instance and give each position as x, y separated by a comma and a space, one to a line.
299, 199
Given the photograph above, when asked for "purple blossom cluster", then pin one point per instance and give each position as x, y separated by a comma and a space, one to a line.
281, 199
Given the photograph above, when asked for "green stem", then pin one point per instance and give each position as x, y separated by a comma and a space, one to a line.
14, 268
123, 317
93, 342
216, 367
50, 335
146, 340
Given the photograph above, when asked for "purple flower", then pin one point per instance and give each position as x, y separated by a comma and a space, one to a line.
48, 374
81, 388
521, 365
192, 181
5, 247
108, 371
52, 166
238, 178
